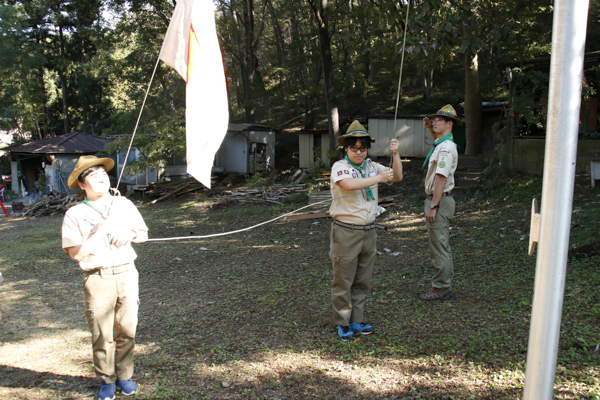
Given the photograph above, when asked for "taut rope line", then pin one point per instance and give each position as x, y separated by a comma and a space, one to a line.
400, 77
254, 226
137, 123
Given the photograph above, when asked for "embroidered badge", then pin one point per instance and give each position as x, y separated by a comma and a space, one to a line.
339, 173
353, 174
372, 173
442, 164
444, 151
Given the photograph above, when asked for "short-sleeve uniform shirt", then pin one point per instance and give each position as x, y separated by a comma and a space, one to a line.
353, 206
443, 161
81, 221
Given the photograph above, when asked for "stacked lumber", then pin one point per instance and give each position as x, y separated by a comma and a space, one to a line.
320, 198
172, 189
52, 203
272, 194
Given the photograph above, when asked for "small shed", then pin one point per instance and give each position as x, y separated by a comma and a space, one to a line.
247, 149
313, 145
415, 140
54, 157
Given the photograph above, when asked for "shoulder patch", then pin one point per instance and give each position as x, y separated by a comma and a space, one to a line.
340, 173
346, 172
442, 164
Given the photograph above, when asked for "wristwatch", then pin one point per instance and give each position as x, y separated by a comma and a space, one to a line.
433, 205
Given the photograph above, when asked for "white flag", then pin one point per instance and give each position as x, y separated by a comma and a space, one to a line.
192, 49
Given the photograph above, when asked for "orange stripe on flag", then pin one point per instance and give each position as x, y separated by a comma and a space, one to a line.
193, 54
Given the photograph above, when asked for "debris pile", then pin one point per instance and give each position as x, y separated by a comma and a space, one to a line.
52, 203
171, 189
272, 194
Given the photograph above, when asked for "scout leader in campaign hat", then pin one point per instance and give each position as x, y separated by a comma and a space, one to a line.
84, 163
355, 130
448, 112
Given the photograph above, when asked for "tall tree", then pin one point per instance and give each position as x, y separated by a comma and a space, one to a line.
321, 12
242, 42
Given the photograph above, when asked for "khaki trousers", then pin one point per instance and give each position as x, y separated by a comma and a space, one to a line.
439, 243
353, 254
111, 302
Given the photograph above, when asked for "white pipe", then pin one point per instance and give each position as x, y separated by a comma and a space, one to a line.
566, 74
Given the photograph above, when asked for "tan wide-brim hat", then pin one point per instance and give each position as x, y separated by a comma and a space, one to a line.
354, 130
84, 163
449, 112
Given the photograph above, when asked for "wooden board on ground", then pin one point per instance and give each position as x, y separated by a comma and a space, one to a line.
304, 216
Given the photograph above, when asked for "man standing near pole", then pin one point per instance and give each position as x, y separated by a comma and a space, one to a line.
98, 234
441, 163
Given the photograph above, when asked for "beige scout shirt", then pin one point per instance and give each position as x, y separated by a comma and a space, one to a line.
443, 161
353, 209
82, 220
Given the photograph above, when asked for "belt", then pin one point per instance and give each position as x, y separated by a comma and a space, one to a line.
430, 196
360, 227
110, 271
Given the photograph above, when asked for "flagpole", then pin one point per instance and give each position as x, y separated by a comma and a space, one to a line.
566, 74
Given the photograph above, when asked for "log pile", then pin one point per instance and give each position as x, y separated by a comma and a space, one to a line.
272, 194
51, 204
172, 189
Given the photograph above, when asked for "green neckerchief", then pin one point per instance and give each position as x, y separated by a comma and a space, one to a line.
364, 175
440, 140
86, 201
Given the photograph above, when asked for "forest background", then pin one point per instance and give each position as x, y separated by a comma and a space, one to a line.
85, 65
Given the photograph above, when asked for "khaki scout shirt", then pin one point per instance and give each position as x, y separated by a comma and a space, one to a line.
354, 209
443, 161
82, 220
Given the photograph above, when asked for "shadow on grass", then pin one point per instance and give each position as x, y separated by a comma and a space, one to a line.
13, 377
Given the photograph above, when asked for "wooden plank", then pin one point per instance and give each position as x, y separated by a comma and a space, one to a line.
304, 216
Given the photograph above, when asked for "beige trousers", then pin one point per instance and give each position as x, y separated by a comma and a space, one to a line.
111, 302
353, 254
439, 243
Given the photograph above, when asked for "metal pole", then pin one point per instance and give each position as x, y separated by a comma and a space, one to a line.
566, 73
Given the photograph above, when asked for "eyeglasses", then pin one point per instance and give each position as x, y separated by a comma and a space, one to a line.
354, 149
439, 119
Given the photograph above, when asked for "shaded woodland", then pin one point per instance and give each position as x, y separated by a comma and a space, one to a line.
85, 65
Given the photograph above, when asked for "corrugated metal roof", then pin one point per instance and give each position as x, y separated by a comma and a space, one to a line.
248, 127
77, 142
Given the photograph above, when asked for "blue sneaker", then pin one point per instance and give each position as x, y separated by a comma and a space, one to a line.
362, 328
128, 387
345, 333
107, 391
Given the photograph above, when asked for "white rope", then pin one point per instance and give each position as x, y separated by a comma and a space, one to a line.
137, 123
401, 63
257, 225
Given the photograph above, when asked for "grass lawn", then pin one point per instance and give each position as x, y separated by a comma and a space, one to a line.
248, 316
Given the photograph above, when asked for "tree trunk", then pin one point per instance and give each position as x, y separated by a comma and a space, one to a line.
472, 100
63, 83
333, 116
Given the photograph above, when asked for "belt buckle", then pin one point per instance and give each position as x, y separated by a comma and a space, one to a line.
117, 270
